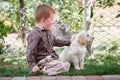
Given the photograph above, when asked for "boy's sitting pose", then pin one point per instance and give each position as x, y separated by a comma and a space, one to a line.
40, 44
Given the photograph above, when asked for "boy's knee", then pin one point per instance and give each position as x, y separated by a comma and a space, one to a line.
67, 66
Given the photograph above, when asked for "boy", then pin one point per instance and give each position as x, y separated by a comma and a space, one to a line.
40, 54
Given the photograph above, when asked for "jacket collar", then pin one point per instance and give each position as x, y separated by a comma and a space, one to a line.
38, 29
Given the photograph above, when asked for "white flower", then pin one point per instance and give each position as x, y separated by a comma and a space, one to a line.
15, 63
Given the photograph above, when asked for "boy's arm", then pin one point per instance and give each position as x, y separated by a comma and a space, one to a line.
59, 43
32, 49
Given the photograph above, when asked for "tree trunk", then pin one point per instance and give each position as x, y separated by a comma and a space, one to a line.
86, 24
22, 22
87, 13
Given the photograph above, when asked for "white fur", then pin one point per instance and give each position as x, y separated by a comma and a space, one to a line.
75, 53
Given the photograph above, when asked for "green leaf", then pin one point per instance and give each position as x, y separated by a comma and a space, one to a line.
117, 16
118, 3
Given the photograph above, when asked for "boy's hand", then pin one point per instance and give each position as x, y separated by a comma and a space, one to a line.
72, 38
35, 69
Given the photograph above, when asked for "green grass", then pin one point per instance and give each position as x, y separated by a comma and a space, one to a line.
90, 69
103, 64
16, 71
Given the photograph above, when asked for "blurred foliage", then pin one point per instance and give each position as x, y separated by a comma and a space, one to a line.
67, 10
1, 49
104, 3
10, 11
16, 59
118, 16
5, 28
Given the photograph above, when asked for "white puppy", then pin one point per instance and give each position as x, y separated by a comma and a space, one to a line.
75, 53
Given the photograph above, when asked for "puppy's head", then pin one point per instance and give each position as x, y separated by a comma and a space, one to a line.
84, 38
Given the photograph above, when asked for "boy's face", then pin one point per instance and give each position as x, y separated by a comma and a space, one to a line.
48, 22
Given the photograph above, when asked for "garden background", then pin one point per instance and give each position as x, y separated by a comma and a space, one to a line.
104, 27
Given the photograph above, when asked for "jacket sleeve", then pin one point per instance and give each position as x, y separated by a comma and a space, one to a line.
32, 41
60, 43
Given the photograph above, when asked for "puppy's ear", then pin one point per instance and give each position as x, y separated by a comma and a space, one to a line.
81, 40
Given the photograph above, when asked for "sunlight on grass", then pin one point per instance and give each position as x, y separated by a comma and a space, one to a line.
104, 63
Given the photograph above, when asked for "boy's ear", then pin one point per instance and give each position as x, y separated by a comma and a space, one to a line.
42, 20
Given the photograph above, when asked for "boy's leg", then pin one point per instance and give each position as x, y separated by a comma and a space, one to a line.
55, 67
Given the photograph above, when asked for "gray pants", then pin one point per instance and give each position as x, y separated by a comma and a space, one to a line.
51, 66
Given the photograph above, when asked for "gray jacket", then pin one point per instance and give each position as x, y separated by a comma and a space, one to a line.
40, 44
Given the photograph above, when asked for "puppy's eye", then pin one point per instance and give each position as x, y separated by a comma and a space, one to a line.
87, 35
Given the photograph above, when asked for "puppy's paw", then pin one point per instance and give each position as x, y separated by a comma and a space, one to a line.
82, 67
77, 67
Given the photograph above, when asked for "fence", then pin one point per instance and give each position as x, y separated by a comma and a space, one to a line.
105, 27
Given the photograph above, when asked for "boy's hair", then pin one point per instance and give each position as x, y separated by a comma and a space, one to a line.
43, 11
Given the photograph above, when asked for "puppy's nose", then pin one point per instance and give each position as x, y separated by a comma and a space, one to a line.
92, 37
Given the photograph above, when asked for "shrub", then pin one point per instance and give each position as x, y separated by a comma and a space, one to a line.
5, 28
